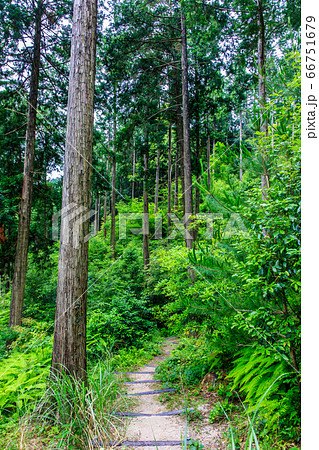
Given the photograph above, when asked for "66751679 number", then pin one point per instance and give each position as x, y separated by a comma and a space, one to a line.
310, 47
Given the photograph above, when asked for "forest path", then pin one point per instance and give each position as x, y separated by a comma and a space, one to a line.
153, 422
164, 429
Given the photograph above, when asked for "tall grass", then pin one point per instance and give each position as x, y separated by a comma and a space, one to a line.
84, 415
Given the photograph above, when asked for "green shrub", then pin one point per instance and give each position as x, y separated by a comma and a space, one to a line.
124, 322
188, 363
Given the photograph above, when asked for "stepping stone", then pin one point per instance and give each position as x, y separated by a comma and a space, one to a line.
168, 413
152, 443
161, 391
97, 443
150, 365
118, 373
142, 381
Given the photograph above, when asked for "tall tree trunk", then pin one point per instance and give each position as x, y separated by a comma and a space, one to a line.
69, 346
262, 89
208, 155
179, 125
134, 165
169, 179
45, 214
146, 224
21, 259
157, 179
96, 227
214, 148
97, 216
189, 238
197, 145
104, 212
113, 211
240, 147
176, 178
262, 98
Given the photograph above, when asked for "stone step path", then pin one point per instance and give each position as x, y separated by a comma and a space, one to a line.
160, 391
152, 425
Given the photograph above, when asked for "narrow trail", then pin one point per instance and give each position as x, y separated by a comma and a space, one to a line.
159, 425
152, 422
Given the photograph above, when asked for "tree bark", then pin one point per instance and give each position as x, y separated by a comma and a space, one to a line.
262, 89
189, 238
21, 259
262, 99
146, 224
113, 198
169, 179
113, 210
197, 146
240, 147
104, 212
214, 150
179, 125
69, 346
96, 217
157, 179
208, 155
176, 178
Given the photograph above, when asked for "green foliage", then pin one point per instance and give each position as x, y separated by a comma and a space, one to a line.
41, 285
187, 365
124, 322
255, 372
218, 411
192, 444
7, 337
133, 357
24, 366
23, 380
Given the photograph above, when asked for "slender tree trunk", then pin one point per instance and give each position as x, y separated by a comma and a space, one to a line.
104, 212
96, 217
262, 99
157, 179
69, 346
45, 214
134, 165
180, 139
146, 224
262, 90
21, 259
176, 178
208, 155
189, 238
169, 179
113, 211
240, 147
197, 145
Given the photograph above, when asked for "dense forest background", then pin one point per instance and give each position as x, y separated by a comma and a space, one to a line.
196, 115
